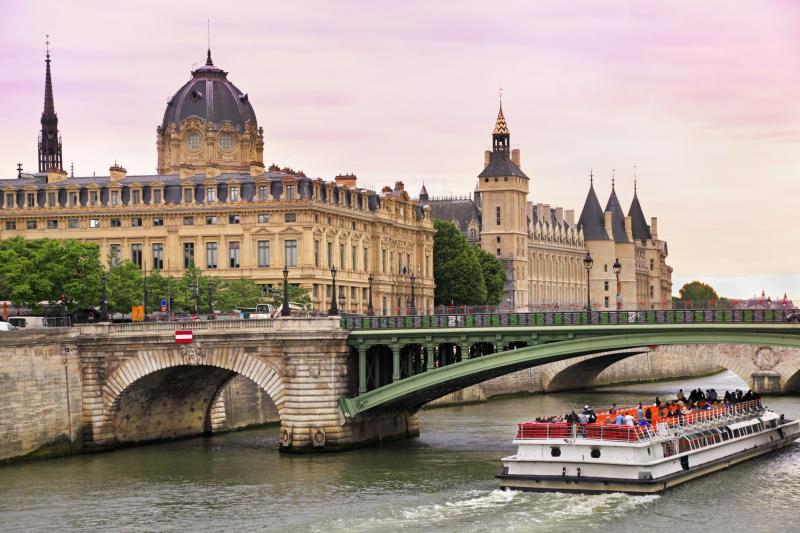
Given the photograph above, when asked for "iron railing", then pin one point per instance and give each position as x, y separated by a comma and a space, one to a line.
569, 318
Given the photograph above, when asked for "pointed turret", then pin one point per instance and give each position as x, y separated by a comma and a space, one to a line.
49, 139
499, 161
423, 194
591, 221
641, 231
617, 216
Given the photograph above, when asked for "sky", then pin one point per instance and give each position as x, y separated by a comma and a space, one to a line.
700, 96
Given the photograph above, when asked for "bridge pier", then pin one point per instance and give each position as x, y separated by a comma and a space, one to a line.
766, 383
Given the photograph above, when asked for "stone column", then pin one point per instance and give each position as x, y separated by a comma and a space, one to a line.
464, 351
431, 364
766, 383
376, 369
395, 363
362, 370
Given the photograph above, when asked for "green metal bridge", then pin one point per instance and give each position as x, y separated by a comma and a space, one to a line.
407, 361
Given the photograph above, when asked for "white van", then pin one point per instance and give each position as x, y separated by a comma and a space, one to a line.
27, 322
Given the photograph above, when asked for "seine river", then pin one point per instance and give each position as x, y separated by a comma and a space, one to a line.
442, 481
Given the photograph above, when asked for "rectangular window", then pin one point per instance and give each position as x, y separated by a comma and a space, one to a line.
73, 223
605, 301
383, 261
94, 223
498, 215
136, 254
366, 259
315, 291
51, 199
31, 224
158, 221
114, 197
234, 254
290, 217
9, 201
263, 193
188, 221
211, 194
136, 197
188, 196
211, 220
115, 254
316, 253
263, 254
364, 294
605, 286
31, 199
233, 219
11, 225
234, 194
652, 264
352, 295
330, 254
211, 255
341, 257
93, 196
158, 256
652, 291
290, 192
188, 255
427, 266
263, 219
136, 222
156, 196
73, 199
354, 258
291, 253
52, 224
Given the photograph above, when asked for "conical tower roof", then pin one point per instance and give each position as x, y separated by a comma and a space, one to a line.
500, 126
591, 220
641, 231
617, 217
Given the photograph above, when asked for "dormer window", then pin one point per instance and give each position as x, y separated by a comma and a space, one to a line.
211, 194
157, 196
188, 196
115, 198
263, 193
136, 197
93, 196
290, 192
51, 199
9, 201
30, 199
233, 195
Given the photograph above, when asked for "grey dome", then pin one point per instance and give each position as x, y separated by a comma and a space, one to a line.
210, 96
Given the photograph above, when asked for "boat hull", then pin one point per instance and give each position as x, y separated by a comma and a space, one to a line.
588, 484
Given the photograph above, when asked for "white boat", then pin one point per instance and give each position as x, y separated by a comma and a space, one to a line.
601, 457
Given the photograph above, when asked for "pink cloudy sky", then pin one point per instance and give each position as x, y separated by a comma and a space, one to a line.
703, 96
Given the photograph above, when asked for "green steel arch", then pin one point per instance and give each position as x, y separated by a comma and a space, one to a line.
414, 391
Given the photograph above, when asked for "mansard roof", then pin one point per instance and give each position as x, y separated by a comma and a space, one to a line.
592, 222
501, 165
617, 217
460, 212
641, 231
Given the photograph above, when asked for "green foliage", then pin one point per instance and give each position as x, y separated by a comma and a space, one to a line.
33, 271
297, 295
125, 287
457, 269
698, 291
494, 277
235, 293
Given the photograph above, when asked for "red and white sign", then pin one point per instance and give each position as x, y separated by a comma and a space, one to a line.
183, 336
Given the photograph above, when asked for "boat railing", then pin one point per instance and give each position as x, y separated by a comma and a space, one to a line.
662, 428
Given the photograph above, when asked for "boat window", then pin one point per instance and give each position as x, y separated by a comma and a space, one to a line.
555, 452
596, 453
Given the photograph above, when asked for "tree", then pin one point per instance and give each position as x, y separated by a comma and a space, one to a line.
125, 287
235, 293
494, 277
457, 269
697, 291
297, 295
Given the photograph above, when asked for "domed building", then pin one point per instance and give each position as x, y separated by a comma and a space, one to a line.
209, 122
212, 204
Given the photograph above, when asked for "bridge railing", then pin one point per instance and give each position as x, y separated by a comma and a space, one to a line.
200, 325
569, 318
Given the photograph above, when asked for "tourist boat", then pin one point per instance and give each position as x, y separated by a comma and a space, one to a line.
600, 457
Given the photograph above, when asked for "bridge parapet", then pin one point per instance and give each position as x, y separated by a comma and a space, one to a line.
210, 326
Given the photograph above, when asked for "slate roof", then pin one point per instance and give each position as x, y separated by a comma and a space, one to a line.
501, 165
617, 217
641, 231
592, 222
462, 212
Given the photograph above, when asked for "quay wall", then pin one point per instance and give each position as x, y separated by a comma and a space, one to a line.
40, 396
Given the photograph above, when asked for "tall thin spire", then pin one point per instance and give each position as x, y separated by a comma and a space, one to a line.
49, 139
209, 63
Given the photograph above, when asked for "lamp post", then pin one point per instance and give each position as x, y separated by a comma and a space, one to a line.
210, 288
617, 269
285, 311
413, 297
144, 302
587, 264
370, 309
333, 311
104, 300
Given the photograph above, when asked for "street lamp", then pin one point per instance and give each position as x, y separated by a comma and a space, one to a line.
617, 269
285, 311
413, 298
370, 309
333, 311
210, 287
104, 301
587, 264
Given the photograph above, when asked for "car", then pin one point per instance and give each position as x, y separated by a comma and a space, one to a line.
183, 317
793, 317
5, 326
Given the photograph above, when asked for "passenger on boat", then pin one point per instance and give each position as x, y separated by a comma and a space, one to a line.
639, 412
620, 419
613, 409
681, 397
629, 420
657, 403
648, 414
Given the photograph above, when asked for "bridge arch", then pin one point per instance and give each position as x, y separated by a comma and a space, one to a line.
176, 392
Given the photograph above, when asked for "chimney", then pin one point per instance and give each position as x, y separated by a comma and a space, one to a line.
345, 180
654, 227
256, 168
399, 186
607, 219
629, 228
515, 156
559, 214
487, 158
539, 211
570, 214
116, 172
187, 171
55, 175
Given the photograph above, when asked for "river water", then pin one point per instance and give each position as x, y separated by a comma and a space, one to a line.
442, 481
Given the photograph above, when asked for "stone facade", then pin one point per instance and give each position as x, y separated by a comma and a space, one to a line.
214, 205
543, 248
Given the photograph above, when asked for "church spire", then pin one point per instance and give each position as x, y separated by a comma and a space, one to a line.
49, 139
501, 137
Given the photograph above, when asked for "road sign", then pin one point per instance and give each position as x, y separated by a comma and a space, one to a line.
183, 336
164, 303
164, 308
